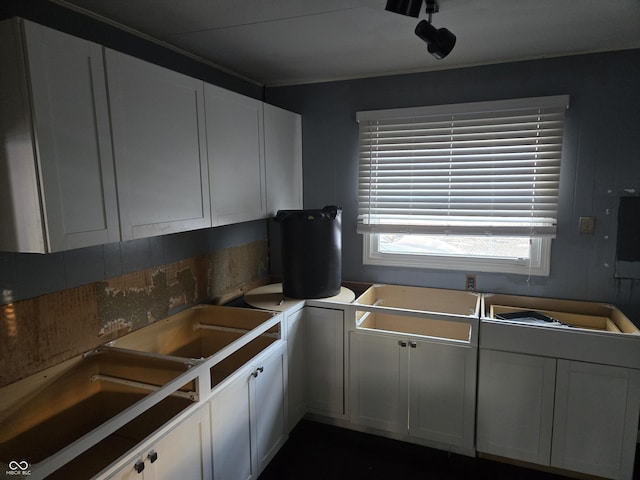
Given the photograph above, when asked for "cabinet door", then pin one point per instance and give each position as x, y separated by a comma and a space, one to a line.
297, 363
69, 151
185, 452
129, 473
231, 425
596, 415
269, 398
159, 146
515, 405
378, 378
248, 418
235, 148
442, 392
283, 159
325, 360
164, 460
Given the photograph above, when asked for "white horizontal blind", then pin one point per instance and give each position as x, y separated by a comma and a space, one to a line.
466, 169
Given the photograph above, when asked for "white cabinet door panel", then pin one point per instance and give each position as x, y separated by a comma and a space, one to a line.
159, 146
57, 185
596, 413
283, 159
235, 146
442, 392
74, 139
231, 431
297, 366
183, 452
378, 382
248, 418
515, 405
270, 424
325, 360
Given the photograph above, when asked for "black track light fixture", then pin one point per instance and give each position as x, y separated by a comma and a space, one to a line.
440, 41
410, 8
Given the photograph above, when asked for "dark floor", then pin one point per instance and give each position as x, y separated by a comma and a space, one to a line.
323, 452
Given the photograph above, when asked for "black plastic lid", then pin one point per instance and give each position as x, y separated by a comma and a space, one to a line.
328, 212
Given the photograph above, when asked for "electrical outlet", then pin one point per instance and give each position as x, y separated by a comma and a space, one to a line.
471, 283
587, 225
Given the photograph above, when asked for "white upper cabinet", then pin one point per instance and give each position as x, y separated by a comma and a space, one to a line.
159, 147
57, 183
98, 146
283, 159
235, 146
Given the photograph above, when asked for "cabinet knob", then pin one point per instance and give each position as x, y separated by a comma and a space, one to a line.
413, 344
402, 343
139, 466
257, 371
152, 456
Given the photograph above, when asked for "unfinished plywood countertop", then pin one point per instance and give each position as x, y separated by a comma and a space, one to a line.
270, 297
591, 331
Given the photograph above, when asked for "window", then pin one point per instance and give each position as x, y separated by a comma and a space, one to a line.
465, 186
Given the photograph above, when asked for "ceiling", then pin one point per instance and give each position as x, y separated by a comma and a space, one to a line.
283, 42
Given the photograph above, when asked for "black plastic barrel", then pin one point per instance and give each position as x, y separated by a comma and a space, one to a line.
311, 252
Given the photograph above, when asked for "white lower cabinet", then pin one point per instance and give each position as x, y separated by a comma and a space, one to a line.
248, 419
595, 419
442, 392
572, 415
515, 405
184, 452
315, 351
297, 366
324, 349
416, 388
378, 382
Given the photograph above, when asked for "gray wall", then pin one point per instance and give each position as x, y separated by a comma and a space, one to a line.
29, 275
600, 160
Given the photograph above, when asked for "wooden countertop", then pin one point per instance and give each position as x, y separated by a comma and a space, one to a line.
270, 297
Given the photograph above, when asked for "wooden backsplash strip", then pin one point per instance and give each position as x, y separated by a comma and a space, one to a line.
43, 331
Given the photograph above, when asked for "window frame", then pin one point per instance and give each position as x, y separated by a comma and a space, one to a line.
379, 175
538, 264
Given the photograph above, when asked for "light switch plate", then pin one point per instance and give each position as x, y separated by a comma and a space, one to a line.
587, 225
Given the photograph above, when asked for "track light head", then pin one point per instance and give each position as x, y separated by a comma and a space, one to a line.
440, 41
410, 8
